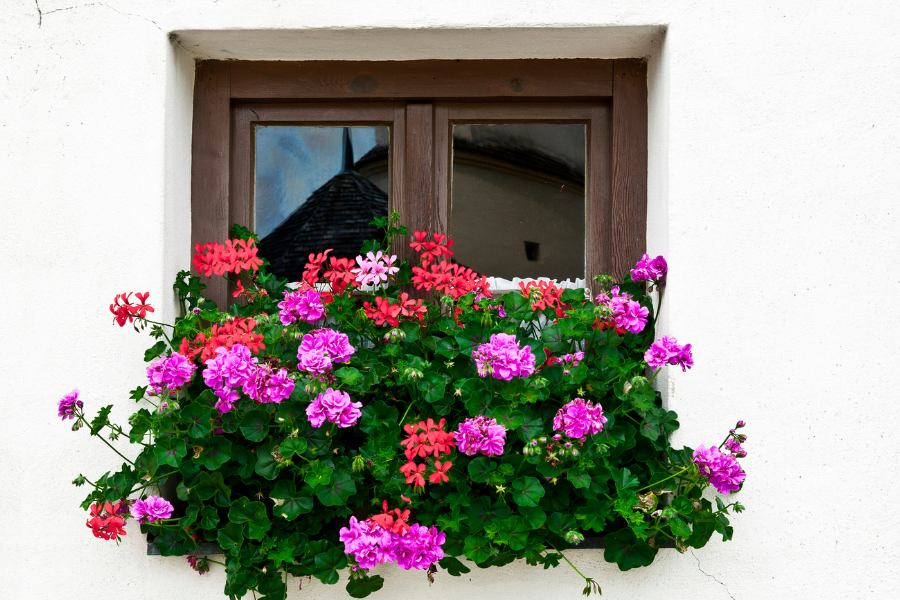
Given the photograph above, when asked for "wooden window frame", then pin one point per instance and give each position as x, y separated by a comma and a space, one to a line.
420, 101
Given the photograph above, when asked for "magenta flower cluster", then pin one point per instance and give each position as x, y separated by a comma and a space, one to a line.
628, 314
304, 305
69, 404
502, 358
235, 368
569, 361
321, 348
579, 419
722, 470
667, 350
481, 435
371, 545
334, 406
170, 372
374, 268
648, 269
152, 509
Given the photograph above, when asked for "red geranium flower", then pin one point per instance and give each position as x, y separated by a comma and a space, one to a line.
440, 475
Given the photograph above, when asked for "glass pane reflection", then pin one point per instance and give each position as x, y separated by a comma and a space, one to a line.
317, 188
517, 204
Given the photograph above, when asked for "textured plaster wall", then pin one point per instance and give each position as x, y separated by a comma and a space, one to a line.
773, 192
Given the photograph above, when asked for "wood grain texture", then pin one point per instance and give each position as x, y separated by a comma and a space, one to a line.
599, 208
629, 164
210, 219
426, 79
417, 207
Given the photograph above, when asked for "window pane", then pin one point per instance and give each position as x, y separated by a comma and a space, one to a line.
317, 188
517, 203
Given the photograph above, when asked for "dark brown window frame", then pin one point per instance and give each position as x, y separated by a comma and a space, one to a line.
421, 100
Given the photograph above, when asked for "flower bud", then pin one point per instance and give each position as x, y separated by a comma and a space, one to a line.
448, 300
574, 537
196, 311
77, 425
740, 424
573, 452
394, 335
78, 481
542, 439
359, 463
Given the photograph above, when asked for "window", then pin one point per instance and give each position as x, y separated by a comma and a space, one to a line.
534, 167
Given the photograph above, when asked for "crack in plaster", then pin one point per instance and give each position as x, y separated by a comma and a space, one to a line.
115, 10
713, 577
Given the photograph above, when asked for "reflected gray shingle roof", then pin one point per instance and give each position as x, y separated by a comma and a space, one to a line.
337, 215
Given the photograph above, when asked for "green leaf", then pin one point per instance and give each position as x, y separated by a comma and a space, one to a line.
197, 417
338, 490
266, 465
679, 527
559, 523
683, 505
477, 548
703, 530
515, 532
480, 468
453, 566
534, 516
283, 553
252, 513
174, 542
595, 515
532, 426
432, 385
209, 517
328, 564
378, 415
624, 479
642, 395
154, 351
170, 451
231, 536
481, 512
291, 502
527, 491
579, 478
509, 418
348, 375
216, 452
319, 474
365, 585
554, 338
292, 446
208, 484
101, 419
624, 549
255, 425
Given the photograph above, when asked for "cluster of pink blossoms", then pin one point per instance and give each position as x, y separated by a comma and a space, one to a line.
374, 268
320, 349
628, 314
303, 305
579, 419
502, 358
648, 269
333, 406
415, 547
666, 350
722, 470
481, 435
69, 405
152, 509
170, 372
567, 361
234, 368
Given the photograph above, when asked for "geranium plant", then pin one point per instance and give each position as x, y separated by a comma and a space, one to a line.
385, 412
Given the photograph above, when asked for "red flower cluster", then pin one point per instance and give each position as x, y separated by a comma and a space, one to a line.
601, 325
543, 294
431, 251
338, 273
230, 257
239, 331
392, 520
427, 439
106, 522
126, 312
385, 312
451, 279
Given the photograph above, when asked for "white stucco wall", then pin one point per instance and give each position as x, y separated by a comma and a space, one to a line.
773, 193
